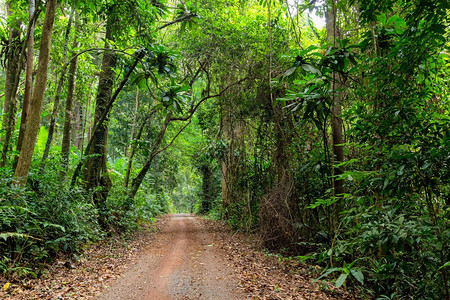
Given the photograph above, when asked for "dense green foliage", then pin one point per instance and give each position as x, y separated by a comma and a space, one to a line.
332, 143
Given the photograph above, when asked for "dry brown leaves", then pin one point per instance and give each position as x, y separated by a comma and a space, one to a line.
263, 276
98, 266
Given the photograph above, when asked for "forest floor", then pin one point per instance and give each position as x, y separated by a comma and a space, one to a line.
178, 257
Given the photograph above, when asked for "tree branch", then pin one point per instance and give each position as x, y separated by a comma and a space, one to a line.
96, 49
194, 108
173, 139
185, 17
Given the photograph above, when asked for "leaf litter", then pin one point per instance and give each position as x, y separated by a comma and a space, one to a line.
259, 275
264, 276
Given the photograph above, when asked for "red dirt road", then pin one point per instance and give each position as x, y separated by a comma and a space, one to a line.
182, 263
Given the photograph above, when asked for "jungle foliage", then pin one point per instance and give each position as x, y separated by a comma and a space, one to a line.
331, 142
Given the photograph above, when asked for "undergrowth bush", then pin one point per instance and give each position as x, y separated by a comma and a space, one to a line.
397, 248
47, 217
125, 214
37, 223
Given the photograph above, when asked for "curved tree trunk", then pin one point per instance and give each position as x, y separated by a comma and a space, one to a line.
133, 151
137, 181
32, 130
133, 125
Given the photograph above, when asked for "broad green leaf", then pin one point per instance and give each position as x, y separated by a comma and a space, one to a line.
327, 272
183, 88
46, 224
447, 264
309, 49
290, 71
396, 21
351, 58
438, 28
358, 275
6, 235
311, 68
340, 281
382, 19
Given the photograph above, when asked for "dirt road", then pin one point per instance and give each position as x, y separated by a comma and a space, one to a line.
182, 263
187, 258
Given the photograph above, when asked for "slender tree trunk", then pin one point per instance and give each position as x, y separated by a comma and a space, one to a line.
137, 181
132, 152
225, 129
12, 58
131, 148
89, 115
336, 120
224, 186
231, 131
51, 129
28, 83
77, 124
206, 188
9, 105
65, 148
32, 130
136, 107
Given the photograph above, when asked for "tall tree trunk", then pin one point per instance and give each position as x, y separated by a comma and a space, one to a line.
78, 127
28, 83
95, 173
65, 148
51, 128
207, 196
32, 130
9, 105
232, 131
226, 134
88, 114
336, 120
